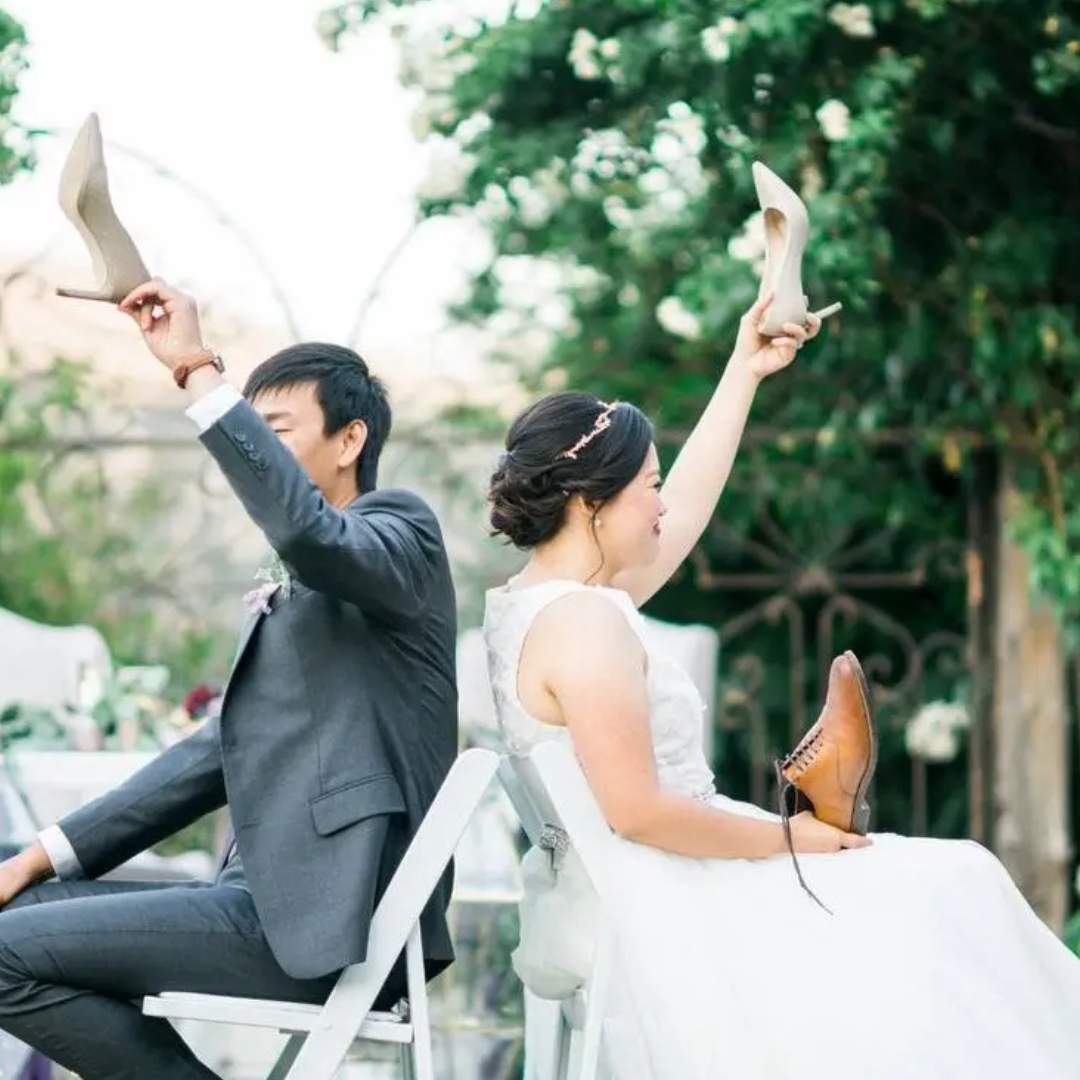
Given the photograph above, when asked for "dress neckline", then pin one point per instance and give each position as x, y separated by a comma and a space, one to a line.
509, 589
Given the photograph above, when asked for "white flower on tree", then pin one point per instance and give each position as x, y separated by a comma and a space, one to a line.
609, 48
680, 133
420, 126
618, 213
592, 58
448, 170
716, 40
834, 119
471, 128
680, 139
534, 205
328, 25
583, 54
853, 19
601, 155
434, 61
749, 245
934, 733
673, 315
494, 207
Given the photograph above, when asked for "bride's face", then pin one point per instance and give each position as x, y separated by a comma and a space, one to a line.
630, 524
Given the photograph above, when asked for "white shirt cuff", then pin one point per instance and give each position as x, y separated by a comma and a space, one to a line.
61, 854
210, 408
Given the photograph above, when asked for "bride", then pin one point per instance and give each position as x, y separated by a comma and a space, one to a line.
928, 963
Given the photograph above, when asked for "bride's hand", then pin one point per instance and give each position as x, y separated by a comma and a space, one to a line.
766, 355
812, 837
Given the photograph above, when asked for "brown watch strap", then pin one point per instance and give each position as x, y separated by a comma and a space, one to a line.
182, 372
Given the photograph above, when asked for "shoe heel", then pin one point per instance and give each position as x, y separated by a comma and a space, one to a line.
825, 312
85, 294
860, 821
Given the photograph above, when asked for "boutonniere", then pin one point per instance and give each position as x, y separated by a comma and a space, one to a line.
273, 578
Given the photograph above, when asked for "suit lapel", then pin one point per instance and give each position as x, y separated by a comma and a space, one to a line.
246, 631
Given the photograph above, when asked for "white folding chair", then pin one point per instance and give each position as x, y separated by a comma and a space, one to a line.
562, 1038
320, 1036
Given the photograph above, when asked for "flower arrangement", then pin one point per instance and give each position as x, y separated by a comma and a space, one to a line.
274, 578
935, 733
125, 710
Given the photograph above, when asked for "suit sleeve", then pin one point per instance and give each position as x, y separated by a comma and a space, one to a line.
177, 788
379, 554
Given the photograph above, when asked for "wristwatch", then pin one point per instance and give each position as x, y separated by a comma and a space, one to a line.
206, 355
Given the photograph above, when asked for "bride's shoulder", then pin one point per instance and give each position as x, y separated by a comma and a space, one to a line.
582, 615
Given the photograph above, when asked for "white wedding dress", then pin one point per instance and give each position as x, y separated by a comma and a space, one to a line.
931, 967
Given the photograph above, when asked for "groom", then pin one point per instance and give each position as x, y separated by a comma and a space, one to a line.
338, 725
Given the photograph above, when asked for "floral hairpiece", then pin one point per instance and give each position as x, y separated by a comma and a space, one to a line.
601, 423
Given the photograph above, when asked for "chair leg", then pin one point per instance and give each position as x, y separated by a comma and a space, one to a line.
563, 1047
419, 1014
287, 1057
407, 1070
595, 1002
545, 1039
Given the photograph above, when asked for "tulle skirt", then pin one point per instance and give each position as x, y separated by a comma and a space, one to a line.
931, 966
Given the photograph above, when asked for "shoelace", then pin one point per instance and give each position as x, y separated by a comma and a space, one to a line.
802, 755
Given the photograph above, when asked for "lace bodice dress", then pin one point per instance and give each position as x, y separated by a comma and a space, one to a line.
675, 706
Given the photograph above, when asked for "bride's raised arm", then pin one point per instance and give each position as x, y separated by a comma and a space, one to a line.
700, 471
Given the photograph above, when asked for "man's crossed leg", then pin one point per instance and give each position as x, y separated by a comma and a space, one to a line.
77, 957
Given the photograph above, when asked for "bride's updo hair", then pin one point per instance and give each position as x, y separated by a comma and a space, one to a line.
566, 444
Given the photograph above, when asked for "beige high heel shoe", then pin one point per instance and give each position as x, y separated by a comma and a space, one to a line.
787, 227
84, 198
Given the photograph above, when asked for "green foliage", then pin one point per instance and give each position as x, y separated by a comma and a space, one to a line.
70, 549
74, 546
1071, 933
15, 153
126, 713
936, 146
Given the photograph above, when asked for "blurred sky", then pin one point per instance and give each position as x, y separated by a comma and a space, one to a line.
307, 151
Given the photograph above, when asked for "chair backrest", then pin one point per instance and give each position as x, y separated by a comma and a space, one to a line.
427, 857
398, 913
477, 719
696, 649
548, 788
44, 665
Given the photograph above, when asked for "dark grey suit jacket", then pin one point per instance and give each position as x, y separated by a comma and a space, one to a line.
339, 721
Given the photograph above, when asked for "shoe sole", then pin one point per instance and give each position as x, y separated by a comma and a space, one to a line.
860, 817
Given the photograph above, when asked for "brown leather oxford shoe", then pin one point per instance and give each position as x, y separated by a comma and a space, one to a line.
834, 763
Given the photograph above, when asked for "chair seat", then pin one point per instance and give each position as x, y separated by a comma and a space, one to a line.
284, 1015
320, 1036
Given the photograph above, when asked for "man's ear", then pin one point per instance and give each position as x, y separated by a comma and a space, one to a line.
353, 439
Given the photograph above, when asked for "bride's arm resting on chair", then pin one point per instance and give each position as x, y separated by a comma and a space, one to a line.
583, 668
700, 471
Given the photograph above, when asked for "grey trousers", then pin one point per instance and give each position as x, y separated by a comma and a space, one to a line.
77, 957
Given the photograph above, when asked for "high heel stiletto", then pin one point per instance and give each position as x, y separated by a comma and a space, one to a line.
84, 198
787, 227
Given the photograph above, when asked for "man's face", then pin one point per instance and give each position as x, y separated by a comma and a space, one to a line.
295, 416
